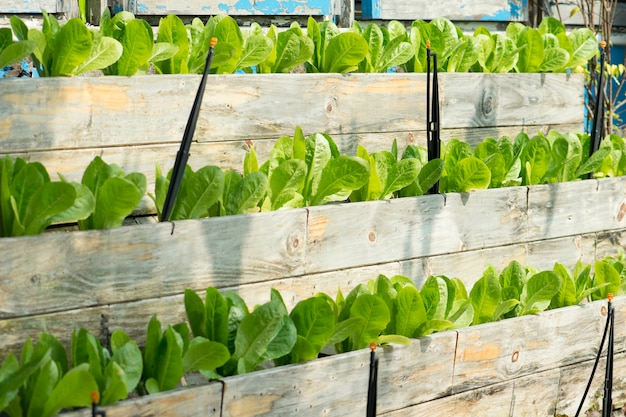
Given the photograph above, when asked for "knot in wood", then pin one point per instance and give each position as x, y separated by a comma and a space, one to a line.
372, 236
515, 356
487, 105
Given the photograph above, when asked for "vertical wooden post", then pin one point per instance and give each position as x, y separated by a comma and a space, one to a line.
69, 8
346, 13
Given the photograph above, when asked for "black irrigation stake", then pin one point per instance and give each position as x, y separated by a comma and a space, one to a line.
373, 382
433, 128
607, 401
597, 130
95, 398
183, 153
608, 380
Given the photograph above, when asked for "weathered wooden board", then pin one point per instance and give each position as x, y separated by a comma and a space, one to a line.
80, 269
30, 6
574, 380
493, 353
509, 100
407, 228
140, 110
495, 400
232, 7
533, 395
557, 210
133, 316
607, 242
469, 266
200, 401
338, 385
484, 10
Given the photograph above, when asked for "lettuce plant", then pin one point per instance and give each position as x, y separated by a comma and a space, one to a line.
335, 51
291, 48
388, 47
30, 202
12, 52
42, 382
116, 194
137, 39
68, 49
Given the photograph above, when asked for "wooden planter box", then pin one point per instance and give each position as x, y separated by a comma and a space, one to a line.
118, 278
456, 10
531, 366
137, 122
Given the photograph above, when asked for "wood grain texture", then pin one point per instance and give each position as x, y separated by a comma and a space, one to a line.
406, 228
313, 388
140, 110
482, 10
81, 269
469, 265
26, 6
133, 316
492, 353
495, 400
200, 401
574, 380
554, 211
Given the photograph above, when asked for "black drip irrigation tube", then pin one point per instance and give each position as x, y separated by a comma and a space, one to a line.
607, 400
373, 382
183, 153
433, 127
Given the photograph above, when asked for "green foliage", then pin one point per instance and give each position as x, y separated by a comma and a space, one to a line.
69, 49
116, 194
12, 52
30, 202
334, 51
125, 45
226, 338
139, 49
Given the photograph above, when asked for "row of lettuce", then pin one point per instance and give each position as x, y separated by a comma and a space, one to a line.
126, 45
222, 336
300, 172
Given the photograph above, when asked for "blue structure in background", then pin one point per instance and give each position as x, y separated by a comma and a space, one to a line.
27, 71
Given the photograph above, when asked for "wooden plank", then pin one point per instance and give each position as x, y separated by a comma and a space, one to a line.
200, 401
28, 6
536, 395
469, 266
131, 263
574, 380
407, 228
509, 100
121, 111
610, 242
495, 400
133, 316
483, 10
233, 7
492, 353
337, 385
579, 207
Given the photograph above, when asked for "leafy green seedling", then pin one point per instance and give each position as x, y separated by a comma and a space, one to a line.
116, 194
